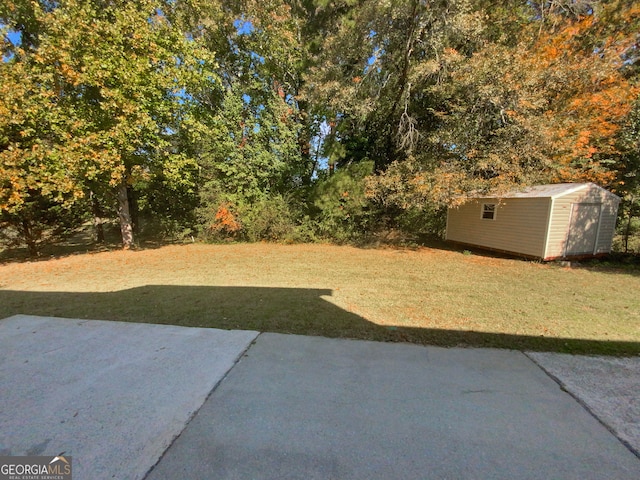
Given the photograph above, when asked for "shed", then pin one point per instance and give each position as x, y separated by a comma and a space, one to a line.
567, 220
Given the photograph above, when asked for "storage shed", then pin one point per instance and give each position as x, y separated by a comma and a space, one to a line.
548, 222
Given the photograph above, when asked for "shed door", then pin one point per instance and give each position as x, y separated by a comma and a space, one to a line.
583, 229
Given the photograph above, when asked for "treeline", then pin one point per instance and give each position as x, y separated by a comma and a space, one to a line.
302, 120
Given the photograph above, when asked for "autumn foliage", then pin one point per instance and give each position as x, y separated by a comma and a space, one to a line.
326, 120
225, 221
548, 107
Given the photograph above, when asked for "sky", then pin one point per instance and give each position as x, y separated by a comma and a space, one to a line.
13, 37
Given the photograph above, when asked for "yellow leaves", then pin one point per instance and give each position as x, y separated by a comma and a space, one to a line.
117, 174
583, 138
70, 74
550, 52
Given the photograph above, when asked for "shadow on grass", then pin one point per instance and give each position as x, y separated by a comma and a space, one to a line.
615, 263
72, 247
280, 310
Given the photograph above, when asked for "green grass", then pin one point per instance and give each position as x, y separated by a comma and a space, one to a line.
426, 296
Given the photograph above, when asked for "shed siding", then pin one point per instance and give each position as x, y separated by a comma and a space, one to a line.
520, 225
561, 218
559, 226
607, 225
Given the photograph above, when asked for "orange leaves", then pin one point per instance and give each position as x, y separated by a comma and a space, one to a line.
577, 67
560, 42
69, 74
583, 138
550, 52
225, 220
596, 117
578, 28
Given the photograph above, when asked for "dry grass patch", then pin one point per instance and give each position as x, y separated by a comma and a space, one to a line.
425, 296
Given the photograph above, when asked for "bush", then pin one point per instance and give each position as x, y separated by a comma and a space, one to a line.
219, 221
341, 211
270, 218
40, 221
277, 218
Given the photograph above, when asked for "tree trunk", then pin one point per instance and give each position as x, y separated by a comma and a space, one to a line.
97, 218
133, 210
627, 231
29, 238
126, 227
403, 80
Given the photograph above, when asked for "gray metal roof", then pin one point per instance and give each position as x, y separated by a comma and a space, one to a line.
554, 190
546, 191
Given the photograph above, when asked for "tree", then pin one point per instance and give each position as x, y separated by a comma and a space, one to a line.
594, 92
251, 136
375, 66
42, 141
114, 77
218, 106
629, 171
545, 108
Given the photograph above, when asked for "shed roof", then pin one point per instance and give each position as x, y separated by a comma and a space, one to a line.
546, 191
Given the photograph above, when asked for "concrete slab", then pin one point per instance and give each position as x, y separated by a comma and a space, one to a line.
112, 395
317, 408
609, 387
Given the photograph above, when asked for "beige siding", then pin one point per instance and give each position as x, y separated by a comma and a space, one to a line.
607, 225
559, 226
519, 226
561, 218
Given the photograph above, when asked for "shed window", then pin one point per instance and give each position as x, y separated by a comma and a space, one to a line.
489, 211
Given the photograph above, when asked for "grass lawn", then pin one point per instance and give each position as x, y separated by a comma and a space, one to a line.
427, 296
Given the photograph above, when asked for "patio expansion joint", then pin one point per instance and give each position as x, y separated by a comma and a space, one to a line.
238, 359
584, 405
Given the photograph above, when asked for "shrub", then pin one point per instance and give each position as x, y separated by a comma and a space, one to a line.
269, 218
341, 211
276, 218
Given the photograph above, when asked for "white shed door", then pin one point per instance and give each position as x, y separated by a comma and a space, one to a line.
583, 229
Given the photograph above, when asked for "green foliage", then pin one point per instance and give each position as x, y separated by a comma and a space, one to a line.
39, 221
342, 211
246, 153
210, 112
270, 218
627, 239
167, 200
374, 89
102, 84
494, 97
422, 223
629, 181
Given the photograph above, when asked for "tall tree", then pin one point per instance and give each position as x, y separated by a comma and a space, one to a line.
374, 67
42, 139
545, 108
117, 72
254, 146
